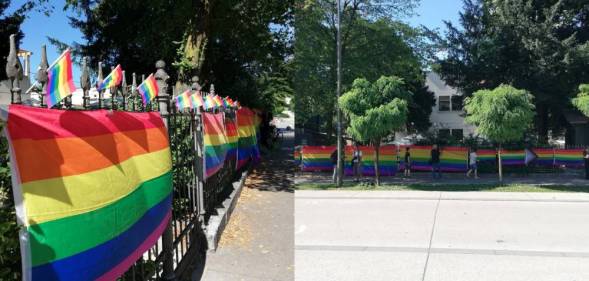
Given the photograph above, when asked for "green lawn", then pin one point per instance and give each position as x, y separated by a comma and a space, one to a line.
448, 187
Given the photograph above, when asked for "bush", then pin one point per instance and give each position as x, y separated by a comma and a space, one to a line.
10, 265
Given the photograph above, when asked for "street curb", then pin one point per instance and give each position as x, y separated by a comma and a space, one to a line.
218, 222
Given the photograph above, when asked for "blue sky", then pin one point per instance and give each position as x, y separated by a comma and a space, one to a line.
37, 27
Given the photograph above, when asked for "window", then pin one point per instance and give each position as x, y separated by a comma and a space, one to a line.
457, 103
444, 103
457, 134
443, 133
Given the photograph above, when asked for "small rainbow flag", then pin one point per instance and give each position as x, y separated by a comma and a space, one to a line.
197, 100
60, 82
112, 80
184, 100
227, 102
218, 101
209, 102
148, 89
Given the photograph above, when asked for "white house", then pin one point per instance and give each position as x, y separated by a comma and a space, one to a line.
447, 114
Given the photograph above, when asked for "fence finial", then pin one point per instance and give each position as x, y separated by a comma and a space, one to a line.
85, 81
41, 75
161, 77
14, 71
195, 85
98, 82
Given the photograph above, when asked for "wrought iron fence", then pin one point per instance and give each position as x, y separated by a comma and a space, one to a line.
194, 200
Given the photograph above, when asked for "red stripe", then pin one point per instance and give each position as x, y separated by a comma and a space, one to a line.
39, 123
213, 123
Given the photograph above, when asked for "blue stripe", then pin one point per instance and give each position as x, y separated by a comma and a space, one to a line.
93, 263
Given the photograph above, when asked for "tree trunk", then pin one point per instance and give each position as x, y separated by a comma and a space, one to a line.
376, 163
542, 122
196, 41
500, 165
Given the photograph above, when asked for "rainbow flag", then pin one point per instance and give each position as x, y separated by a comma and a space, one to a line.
247, 144
60, 83
218, 101
196, 100
513, 157
387, 160
228, 102
232, 138
454, 159
317, 158
148, 89
570, 158
545, 156
420, 157
209, 102
215, 143
112, 80
487, 155
93, 189
184, 100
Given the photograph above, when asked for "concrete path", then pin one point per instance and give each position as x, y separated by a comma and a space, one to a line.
258, 242
572, 178
439, 236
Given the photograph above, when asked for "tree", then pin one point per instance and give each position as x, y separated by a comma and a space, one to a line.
501, 115
374, 42
232, 44
375, 110
540, 46
581, 101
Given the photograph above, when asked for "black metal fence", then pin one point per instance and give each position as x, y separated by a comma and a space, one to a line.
194, 200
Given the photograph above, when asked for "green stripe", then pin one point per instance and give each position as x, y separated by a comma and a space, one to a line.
216, 149
68, 236
247, 141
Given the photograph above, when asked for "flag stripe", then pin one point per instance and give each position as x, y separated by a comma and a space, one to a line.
29, 122
102, 259
105, 187
84, 154
51, 242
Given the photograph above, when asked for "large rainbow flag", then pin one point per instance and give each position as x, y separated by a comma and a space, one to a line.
487, 155
570, 158
247, 144
93, 189
232, 138
60, 83
513, 157
420, 157
215, 143
317, 158
387, 160
545, 156
454, 159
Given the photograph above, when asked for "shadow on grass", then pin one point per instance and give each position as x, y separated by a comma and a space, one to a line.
493, 187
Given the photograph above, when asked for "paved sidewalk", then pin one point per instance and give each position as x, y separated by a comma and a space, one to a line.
563, 179
258, 242
439, 236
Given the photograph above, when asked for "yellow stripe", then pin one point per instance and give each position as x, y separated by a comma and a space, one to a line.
57, 198
214, 139
246, 131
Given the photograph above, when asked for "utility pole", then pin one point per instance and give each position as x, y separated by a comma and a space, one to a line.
340, 152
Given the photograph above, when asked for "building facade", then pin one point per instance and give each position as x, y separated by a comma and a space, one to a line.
447, 116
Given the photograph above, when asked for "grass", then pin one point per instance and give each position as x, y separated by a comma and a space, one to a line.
447, 187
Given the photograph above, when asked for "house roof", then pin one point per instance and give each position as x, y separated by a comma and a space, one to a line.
576, 118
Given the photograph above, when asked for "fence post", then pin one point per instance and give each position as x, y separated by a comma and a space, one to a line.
14, 72
124, 91
198, 148
85, 83
133, 95
42, 76
163, 100
98, 82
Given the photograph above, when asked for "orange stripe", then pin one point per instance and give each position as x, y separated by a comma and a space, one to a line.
51, 158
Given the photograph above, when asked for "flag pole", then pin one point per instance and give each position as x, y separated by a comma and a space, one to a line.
52, 65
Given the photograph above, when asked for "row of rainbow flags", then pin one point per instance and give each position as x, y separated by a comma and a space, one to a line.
230, 139
60, 83
452, 158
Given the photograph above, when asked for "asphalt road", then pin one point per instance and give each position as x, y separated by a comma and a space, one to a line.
438, 236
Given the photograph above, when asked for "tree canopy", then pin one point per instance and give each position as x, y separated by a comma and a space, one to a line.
234, 45
581, 101
375, 110
501, 115
540, 46
374, 43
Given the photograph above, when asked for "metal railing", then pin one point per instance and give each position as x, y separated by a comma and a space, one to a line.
194, 200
